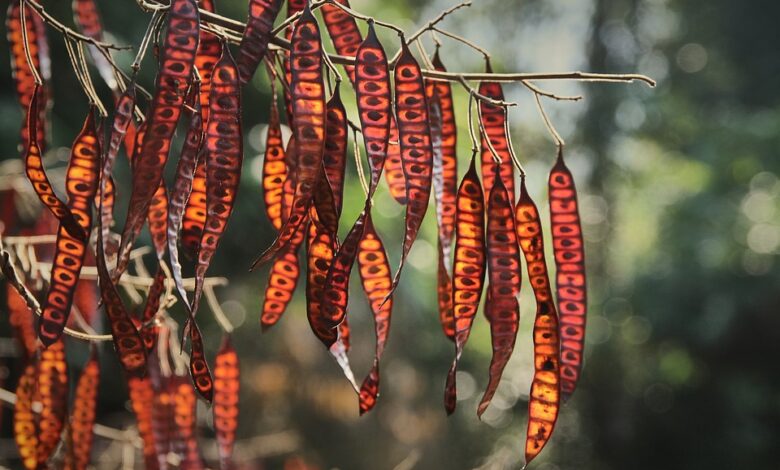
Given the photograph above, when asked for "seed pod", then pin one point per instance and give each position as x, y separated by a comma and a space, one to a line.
21, 319
226, 389
501, 307
53, 393
444, 289
343, 31
199, 368
570, 282
177, 60
195, 212
334, 159
394, 169
282, 281
468, 269
25, 421
82, 418
209, 52
544, 402
257, 33
493, 119
141, 398
87, 17
81, 182
184, 404
376, 278
158, 220
274, 168
321, 249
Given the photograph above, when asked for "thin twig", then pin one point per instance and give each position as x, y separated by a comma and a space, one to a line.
462, 40
430, 25
555, 135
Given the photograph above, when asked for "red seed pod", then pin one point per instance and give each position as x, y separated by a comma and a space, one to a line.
199, 368
81, 182
293, 7
501, 307
122, 121
324, 212
335, 295
162, 417
372, 85
152, 306
544, 402
343, 31
376, 277
177, 60
570, 282
209, 51
195, 212
445, 158
493, 119
227, 385
87, 18
321, 249
82, 418
21, 319
224, 156
334, 159
184, 404
468, 268
24, 81
53, 392
308, 99
394, 169
444, 289
257, 33
158, 220
183, 184
274, 168
127, 340
141, 401
416, 152
25, 421
282, 281
33, 165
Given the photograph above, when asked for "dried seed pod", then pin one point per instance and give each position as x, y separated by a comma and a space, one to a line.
282, 281
375, 276
468, 269
334, 158
25, 421
82, 418
394, 168
343, 31
184, 404
570, 282
141, 398
199, 368
53, 393
493, 120
501, 307
321, 249
226, 390
87, 17
274, 168
257, 33
545, 394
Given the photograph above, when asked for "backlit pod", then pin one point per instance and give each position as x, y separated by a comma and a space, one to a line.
183, 184
468, 272
416, 152
82, 418
25, 421
324, 212
394, 168
321, 249
376, 278
254, 42
293, 7
334, 159
209, 51
177, 59
493, 120
33, 165
81, 184
570, 282
199, 368
141, 398
444, 290
53, 394
184, 440
343, 31
151, 307
87, 17
224, 156
22, 320
227, 385
162, 417
308, 123
372, 89
544, 401
504, 277
194, 218
445, 160
24, 82
274, 168
282, 281
158, 220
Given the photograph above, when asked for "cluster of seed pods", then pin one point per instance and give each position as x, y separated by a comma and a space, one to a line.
409, 132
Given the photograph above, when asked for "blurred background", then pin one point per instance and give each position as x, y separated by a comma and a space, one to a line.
680, 199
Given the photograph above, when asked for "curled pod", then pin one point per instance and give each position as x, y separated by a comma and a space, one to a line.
257, 33
308, 123
343, 31
82, 420
81, 184
25, 420
227, 385
224, 156
468, 269
376, 277
416, 151
501, 306
372, 85
545, 394
570, 281
177, 60
494, 122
